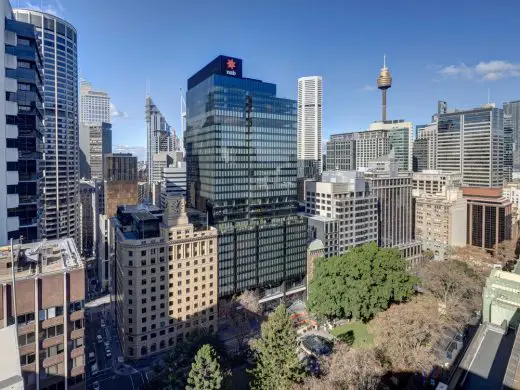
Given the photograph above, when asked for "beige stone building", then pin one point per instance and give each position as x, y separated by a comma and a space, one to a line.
433, 181
440, 220
47, 306
166, 278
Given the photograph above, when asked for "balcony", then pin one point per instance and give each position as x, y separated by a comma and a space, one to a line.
28, 199
77, 352
77, 315
52, 341
76, 334
52, 322
53, 360
12, 201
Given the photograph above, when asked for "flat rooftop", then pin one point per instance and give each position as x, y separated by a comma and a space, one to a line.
11, 372
42, 257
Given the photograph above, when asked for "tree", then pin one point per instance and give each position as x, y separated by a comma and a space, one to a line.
409, 334
359, 283
277, 366
347, 368
507, 253
250, 301
456, 285
205, 373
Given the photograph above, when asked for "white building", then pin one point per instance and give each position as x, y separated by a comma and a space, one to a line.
94, 105
10, 368
310, 98
434, 181
174, 181
341, 211
512, 192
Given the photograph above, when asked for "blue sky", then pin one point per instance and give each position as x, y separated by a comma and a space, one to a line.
436, 50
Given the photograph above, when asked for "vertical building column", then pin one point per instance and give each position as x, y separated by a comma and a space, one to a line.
66, 333
483, 226
470, 224
497, 225
37, 332
4, 299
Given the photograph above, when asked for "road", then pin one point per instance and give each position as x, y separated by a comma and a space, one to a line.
488, 365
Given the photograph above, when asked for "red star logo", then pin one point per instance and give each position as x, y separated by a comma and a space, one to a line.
231, 64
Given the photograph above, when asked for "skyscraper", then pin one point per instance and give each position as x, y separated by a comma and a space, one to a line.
310, 98
95, 142
21, 129
241, 155
509, 145
61, 183
513, 109
472, 142
94, 105
159, 137
120, 174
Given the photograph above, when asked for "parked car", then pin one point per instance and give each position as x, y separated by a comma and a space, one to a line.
94, 369
108, 353
99, 339
91, 357
95, 385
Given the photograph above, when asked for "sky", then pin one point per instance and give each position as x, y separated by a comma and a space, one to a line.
459, 51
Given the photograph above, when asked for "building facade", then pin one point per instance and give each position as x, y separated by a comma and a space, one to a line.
58, 41
120, 175
512, 109
428, 133
432, 182
94, 105
400, 136
21, 130
241, 143
166, 278
95, 141
441, 221
472, 142
342, 212
310, 126
91, 206
47, 306
509, 147
420, 154
489, 217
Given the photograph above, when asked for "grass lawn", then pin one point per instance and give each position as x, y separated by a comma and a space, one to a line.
354, 334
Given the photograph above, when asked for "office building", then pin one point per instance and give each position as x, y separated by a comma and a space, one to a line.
159, 137
166, 278
94, 105
143, 192
310, 126
91, 206
342, 212
49, 311
61, 182
21, 129
509, 145
241, 158
489, 217
433, 181
441, 221
420, 154
11, 369
472, 142
511, 192
95, 142
174, 180
400, 137
393, 191
120, 174
351, 151
384, 82
512, 109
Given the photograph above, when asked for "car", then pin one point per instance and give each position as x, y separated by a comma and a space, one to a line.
95, 385
92, 357
99, 339
107, 344
94, 369
108, 353
103, 324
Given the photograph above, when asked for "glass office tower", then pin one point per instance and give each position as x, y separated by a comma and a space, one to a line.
241, 170
58, 41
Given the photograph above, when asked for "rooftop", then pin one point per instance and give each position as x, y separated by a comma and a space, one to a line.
43, 257
11, 372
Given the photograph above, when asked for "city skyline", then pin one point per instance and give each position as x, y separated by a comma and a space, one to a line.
347, 51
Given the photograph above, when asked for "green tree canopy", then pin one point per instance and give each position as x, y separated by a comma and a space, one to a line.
205, 373
277, 365
360, 283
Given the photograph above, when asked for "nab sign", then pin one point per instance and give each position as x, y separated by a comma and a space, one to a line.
230, 66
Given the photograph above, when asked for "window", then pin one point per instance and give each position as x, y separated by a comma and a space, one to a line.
25, 318
27, 359
77, 343
26, 339
130, 253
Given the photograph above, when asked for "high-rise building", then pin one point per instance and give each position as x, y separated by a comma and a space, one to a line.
174, 179
489, 217
342, 212
94, 105
509, 144
351, 151
425, 146
166, 278
120, 175
472, 142
400, 136
46, 305
241, 157
310, 98
159, 137
90, 209
513, 109
95, 142
21, 129
420, 154
58, 41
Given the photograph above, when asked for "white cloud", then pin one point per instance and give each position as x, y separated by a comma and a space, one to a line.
139, 151
368, 88
490, 71
115, 113
54, 7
